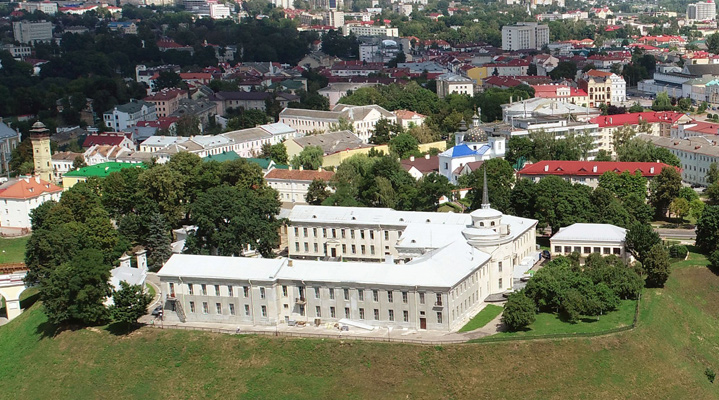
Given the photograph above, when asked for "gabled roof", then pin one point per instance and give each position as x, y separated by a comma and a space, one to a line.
28, 188
332, 142
111, 139
7, 132
425, 165
593, 168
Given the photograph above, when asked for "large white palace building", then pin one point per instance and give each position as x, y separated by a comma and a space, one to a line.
381, 267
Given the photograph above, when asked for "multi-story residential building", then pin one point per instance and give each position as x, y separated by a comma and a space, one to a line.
126, 115
334, 18
19, 197
702, 11
362, 118
695, 154
408, 119
9, 140
18, 51
292, 184
653, 123
588, 172
46, 7
219, 11
448, 264
166, 101
514, 67
454, 84
370, 30
32, 32
603, 87
524, 36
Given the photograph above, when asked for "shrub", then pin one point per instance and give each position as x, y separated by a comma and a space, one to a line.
714, 260
519, 312
710, 374
678, 251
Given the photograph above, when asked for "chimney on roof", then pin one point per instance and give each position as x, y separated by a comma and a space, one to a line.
594, 168
426, 156
290, 168
546, 167
411, 158
302, 168
651, 170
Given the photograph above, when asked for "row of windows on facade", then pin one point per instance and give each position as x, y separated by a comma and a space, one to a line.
318, 312
353, 248
333, 233
588, 250
317, 293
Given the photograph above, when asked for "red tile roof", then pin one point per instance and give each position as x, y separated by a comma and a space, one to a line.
299, 175
636, 118
109, 138
423, 164
28, 188
593, 168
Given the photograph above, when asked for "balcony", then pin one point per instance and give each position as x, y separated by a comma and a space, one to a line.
300, 300
438, 304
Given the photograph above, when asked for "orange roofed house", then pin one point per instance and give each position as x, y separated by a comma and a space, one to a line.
292, 184
18, 197
588, 172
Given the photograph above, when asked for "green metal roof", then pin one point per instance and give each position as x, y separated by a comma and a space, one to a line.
102, 170
264, 163
224, 156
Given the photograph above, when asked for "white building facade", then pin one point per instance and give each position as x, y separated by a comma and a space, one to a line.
524, 36
448, 264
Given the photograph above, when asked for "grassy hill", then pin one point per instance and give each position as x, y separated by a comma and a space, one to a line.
664, 358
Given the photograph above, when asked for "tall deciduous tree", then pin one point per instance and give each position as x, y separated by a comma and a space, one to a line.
77, 289
403, 145
708, 229
663, 189
656, 266
640, 239
309, 158
500, 177
519, 311
229, 219
429, 190
317, 192
130, 303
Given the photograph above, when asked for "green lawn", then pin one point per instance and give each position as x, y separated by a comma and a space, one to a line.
150, 289
13, 250
663, 358
550, 324
488, 313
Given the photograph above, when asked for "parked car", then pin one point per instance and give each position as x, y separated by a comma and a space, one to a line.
546, 254
157, 310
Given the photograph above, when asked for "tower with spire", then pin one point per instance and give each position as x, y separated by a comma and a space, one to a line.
485, 192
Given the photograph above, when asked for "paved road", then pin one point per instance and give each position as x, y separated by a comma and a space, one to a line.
677, 233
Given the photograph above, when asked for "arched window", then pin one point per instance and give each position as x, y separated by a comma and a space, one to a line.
492, 223
481, 224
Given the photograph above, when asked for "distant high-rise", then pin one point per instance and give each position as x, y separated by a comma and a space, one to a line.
32, 32
703, 11
524, 35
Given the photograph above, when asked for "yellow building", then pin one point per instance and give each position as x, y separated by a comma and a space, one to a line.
476, 74
42, 158
339, 146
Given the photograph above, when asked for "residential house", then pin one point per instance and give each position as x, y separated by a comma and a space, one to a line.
120, 139
63, 162
166, 101
420, 166
696, 154
562, 93
603, 88
454, 84
408, 119
124, 116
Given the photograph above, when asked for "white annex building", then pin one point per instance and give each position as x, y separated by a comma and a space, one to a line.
360, 266
585, 239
